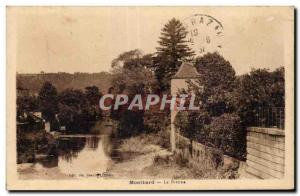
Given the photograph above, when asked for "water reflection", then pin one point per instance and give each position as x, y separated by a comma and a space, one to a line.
92, 142
80, 155
68, 148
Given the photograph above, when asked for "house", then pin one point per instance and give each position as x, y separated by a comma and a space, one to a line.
30, 122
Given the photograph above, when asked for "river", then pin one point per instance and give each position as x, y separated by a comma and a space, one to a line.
98, 157
73, 156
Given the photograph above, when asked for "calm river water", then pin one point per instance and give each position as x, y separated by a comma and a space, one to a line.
72, 156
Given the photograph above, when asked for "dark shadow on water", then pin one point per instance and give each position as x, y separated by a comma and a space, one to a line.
68, 148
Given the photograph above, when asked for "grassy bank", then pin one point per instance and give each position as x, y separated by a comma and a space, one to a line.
145, 156
190, 169
145, 143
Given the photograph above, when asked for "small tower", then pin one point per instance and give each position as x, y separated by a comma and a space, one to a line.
186, 72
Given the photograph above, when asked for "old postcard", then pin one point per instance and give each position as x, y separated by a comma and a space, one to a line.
150, 98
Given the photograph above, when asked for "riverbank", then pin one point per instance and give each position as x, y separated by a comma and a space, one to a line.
139, 157
144, 157
33, 144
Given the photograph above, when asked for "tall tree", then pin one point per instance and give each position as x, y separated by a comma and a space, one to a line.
48, 101
172, 50
73, 98
73, 110
131, 76
218, 79
93, 94
131, 73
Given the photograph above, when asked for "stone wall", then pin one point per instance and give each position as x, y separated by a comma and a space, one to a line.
203, 156
265, 153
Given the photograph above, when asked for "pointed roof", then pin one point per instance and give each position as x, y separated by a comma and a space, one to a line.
186, 70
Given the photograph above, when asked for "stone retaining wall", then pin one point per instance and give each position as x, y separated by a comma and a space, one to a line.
203, 155
265, 153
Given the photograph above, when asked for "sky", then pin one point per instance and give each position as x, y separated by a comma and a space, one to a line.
87, 39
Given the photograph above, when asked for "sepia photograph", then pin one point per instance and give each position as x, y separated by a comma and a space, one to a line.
150, 98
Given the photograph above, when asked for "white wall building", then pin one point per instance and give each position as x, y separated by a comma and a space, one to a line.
186, 72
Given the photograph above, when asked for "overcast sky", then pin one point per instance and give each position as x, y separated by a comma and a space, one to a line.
87, 39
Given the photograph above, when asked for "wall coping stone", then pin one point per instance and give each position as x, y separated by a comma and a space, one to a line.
270, 131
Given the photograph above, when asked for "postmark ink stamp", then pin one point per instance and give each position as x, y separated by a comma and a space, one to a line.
205, 33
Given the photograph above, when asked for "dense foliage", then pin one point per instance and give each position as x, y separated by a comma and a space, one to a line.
48, 98
258, 89
79, 111
226, 133
228, 103
218, 79
132, 76
76, 110
192, 123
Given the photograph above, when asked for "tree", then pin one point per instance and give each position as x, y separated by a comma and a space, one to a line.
215, 71
73, 110
192, 123
259, 89
171, 52
132, 59
131, 76
48, 101
93, 94
73, 98
218, 80
277, 93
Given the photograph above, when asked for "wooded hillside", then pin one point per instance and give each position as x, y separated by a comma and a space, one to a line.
63, 81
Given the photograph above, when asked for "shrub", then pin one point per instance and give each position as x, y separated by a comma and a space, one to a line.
192, 123
30, 143
131, 123
227, 134
164, 138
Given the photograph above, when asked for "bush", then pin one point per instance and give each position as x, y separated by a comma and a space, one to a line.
30, 143
226, 133
164, 138
192, 123
181, 121
155, 120
131, 123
